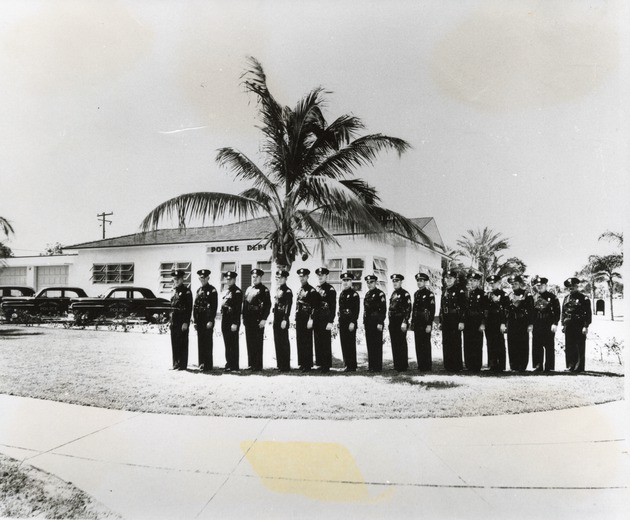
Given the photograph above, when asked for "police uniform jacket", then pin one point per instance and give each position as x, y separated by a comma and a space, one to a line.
181, 305
400, 306
576, 310
423, 312
283, 303
547, 308
521, 308
349, 302
307, 301
256, 303
374, 307
231, 304
453, 304
496, 307
327, 308
476, 306
205, 306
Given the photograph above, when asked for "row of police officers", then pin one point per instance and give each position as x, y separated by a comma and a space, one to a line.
467, 313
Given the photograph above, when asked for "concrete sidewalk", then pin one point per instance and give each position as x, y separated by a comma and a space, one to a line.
563, 464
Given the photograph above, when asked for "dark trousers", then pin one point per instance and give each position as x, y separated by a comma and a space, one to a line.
518, 345
204, 346
283, 348
423, 347
400, 351
254, 338
348, 345
304, 340
574, 347
495, 343
543, 347
179, 346
473, 346
374, 343
451, 345
231, 346
323, 344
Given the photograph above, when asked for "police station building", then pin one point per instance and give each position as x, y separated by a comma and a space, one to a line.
147, 259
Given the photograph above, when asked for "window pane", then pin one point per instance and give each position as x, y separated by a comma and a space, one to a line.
356, 263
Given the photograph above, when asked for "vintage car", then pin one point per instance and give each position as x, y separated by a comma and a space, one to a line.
121, 302
50, 302
15, 291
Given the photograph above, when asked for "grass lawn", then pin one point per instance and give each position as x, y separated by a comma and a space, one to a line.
129, 370
26, 492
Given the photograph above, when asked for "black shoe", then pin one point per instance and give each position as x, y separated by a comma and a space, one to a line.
305, 369
347, 369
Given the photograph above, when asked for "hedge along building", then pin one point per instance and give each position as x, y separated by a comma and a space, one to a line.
146, 259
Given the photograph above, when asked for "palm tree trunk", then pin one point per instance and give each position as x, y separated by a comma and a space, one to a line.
610, 290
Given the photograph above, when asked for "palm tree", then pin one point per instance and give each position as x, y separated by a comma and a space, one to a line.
612, 236
306, 186
6, 227
605, 269
481, 247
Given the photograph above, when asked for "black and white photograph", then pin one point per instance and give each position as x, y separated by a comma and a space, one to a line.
314, 259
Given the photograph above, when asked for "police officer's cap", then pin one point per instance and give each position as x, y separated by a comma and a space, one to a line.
451, 273
230, 274
474, 276
321, 270
516, 279
257, 272
422, 276
397, 277
494, 278
371, 278
178, 273
303, 271
203, 272
571, 281
282, 273
347, 276
540, 280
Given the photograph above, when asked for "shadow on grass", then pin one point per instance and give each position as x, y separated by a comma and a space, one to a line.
16, 333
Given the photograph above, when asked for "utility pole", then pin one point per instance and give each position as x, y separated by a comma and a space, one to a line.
101, 216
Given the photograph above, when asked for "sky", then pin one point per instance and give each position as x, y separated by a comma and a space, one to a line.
514, 110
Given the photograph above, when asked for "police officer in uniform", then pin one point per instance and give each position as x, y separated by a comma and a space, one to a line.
323, 319
399, 314
520, 319
256, 309
495, 312
231, 304
576, 317
474, 324
281, 313
204, 313
349, 303
452, 315
374, 312
546, 318
422, 316
306, 303
181, 310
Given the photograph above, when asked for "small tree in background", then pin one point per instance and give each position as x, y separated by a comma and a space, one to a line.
482, 247
52, 250
605, 268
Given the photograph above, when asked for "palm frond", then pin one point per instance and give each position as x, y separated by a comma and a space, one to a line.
360, 152
6, 226
201, 205
245, 169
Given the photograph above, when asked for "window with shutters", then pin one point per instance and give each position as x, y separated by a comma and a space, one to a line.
166, 280
112, 273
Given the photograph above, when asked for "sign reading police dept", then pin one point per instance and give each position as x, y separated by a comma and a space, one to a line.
236, 248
